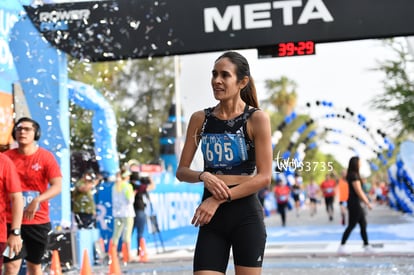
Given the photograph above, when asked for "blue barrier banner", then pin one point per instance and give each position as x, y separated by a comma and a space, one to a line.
172, 202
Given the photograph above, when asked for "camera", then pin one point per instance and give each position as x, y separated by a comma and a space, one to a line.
145, 180
136, 179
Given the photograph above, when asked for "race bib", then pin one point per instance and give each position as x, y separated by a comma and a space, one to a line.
283, 198
223, 150
28, 197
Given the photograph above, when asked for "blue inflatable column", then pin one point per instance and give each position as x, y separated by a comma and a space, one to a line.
42, 72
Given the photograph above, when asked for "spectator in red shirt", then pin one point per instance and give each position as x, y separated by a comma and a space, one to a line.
41, 179
328, 190
10, 194
282, 194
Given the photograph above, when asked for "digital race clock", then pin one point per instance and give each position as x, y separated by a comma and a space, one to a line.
287, 49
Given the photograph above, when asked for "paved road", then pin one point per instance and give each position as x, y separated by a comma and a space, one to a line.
308, 245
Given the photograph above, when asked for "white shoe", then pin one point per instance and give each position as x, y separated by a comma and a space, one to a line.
368, 249
342, 250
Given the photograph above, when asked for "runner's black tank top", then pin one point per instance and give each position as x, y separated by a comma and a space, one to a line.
226, 146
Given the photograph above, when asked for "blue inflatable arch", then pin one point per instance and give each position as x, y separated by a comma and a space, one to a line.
103, 124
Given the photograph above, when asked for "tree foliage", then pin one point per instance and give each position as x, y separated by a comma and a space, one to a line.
100, 76
146, 91
140, 92
282, 94
398, 97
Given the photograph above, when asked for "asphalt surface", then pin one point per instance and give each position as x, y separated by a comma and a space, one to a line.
307, 245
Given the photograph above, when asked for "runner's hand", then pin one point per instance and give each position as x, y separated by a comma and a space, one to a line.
205, 211
31, 209
216, 186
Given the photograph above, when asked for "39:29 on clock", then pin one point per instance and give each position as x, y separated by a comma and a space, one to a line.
296, 48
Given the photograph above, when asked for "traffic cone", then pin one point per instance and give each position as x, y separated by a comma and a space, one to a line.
86, 265
125, 253
114, 268
143, 257
55, 267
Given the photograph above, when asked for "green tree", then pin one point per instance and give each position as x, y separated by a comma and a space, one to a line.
140, 92
398, 97
282, 97
282, 94
145, 95
100, 76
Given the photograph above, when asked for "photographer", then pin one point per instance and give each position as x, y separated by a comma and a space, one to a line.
142, 184
83, 203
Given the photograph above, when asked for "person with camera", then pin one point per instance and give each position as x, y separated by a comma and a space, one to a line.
83, 202
142, 185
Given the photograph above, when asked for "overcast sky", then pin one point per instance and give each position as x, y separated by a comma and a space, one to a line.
339, 72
